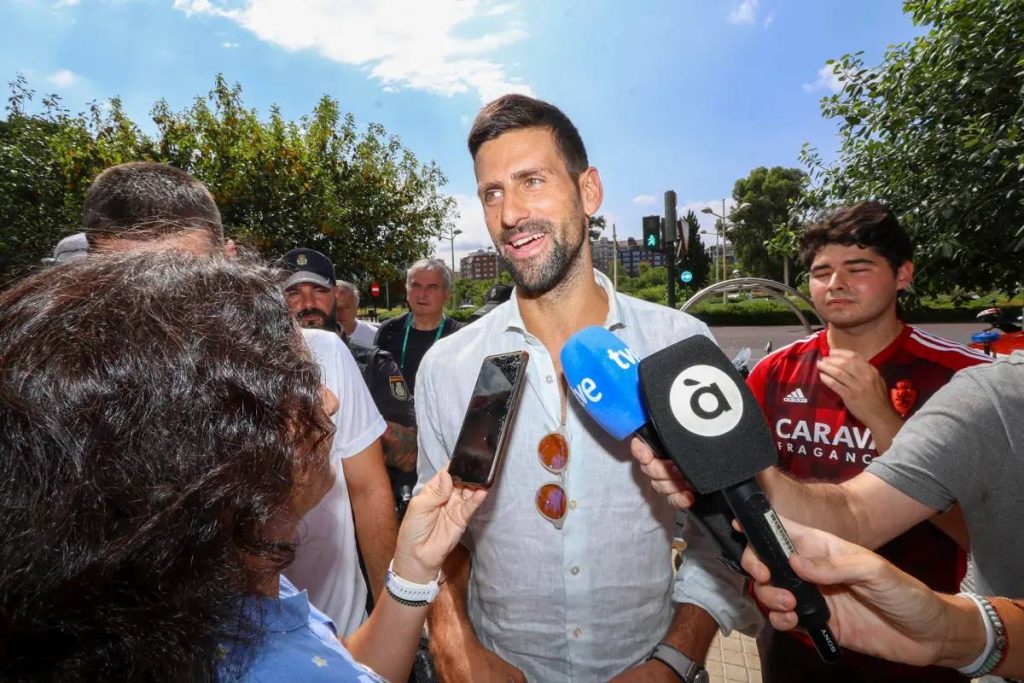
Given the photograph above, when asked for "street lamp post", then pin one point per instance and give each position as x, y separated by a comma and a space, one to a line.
723, 219
450, 236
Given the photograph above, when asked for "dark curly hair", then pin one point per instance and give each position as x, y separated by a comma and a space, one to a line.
867, 224
155, 411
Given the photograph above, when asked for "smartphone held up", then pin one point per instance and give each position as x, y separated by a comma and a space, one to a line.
480, 446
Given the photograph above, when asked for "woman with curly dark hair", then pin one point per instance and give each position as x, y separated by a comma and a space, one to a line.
163, 432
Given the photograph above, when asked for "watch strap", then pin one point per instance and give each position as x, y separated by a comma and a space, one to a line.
687, 669
408, 593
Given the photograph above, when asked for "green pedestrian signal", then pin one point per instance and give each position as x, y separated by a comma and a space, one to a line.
652, 233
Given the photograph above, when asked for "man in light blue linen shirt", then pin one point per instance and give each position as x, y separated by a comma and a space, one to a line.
589, 597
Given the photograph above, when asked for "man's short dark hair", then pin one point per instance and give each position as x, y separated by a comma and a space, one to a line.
517, 112
143, 199
867, 224
149, 406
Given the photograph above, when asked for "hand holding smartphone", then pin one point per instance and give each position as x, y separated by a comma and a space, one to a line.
492, 408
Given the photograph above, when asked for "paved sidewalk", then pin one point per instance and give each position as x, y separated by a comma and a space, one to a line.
734, 660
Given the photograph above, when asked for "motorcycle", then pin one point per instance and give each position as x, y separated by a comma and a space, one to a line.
1003, 336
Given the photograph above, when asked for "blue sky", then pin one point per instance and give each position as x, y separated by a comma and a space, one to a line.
688, 95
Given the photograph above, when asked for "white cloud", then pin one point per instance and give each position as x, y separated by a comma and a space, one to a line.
66, 3
769, 20
827, 80
644, 200
745, 12
402, 43
228, 44
62, 78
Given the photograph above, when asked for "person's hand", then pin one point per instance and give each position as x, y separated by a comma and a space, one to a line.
664, 475
475, 664
859, 384
876, 608
434, 522
651, 671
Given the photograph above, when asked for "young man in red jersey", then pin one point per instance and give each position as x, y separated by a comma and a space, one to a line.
835, 400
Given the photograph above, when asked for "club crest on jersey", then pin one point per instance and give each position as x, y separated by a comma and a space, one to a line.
398, 388
706, 401
903, 397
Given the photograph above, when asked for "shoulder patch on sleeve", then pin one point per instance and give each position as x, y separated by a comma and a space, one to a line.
398, 388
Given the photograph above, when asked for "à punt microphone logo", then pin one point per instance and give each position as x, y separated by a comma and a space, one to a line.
706, 401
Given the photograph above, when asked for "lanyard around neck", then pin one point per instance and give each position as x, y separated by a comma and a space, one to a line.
405, 340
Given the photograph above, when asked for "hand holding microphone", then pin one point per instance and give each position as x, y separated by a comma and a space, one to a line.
602, 375
702, 415
713, 428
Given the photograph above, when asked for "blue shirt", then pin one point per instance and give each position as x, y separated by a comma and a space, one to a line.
299, 643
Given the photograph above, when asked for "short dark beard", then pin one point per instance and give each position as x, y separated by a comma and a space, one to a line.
330, 322
558, 264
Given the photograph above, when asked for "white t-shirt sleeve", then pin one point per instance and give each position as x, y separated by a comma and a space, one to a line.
357, 422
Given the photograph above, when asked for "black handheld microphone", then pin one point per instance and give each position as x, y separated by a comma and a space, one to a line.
602, 373
714, 430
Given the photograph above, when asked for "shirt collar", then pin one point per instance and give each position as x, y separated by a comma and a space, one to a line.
613, 320
287, 612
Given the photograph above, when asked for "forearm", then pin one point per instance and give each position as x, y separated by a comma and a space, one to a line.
388, 640
376, 529
373, 511
821, 505
399, 444
691, 632
450, 629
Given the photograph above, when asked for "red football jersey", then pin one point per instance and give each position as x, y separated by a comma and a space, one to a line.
818, 438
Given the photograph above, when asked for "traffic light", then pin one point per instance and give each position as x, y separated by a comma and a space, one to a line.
652, 233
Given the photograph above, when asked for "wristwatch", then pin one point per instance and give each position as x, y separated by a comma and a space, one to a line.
688, 670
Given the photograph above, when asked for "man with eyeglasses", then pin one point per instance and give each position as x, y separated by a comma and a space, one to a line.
565, 573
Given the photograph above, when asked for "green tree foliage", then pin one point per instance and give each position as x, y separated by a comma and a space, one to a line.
472, 291
696, 260
358, 196
937, 131
769, 194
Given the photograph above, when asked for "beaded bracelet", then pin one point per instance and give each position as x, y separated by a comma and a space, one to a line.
995, 639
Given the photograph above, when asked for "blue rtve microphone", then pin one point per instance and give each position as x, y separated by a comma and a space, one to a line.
713, 428
602, 374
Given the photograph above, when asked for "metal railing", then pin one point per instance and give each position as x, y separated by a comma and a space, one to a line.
756, 285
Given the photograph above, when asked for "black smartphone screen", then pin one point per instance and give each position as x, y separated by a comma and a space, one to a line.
479, 447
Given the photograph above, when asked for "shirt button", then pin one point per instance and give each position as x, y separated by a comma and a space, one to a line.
577, 632
572, 504
549, 379
574, 571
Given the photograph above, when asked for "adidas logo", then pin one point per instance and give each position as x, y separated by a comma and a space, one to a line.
795, 396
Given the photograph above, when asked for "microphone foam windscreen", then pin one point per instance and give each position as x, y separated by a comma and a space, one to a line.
602, 375
707, 418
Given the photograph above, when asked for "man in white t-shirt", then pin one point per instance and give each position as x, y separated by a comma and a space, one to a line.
326, 564
347, 296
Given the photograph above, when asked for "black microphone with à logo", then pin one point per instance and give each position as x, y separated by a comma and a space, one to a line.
714, 430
